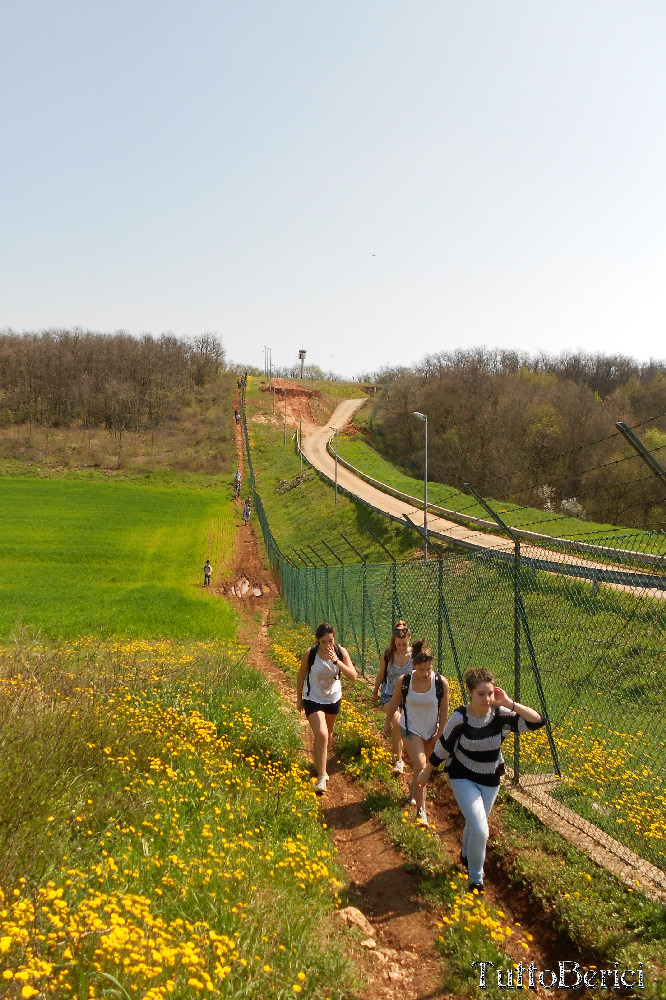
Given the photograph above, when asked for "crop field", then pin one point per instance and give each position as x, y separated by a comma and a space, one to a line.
107, 556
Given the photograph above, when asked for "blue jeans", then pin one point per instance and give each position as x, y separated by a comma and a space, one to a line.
475, 803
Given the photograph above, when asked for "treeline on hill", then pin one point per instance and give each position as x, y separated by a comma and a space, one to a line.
60, 381
536, 431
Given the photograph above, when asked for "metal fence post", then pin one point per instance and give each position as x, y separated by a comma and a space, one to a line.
520, 617
309, 618
516, 652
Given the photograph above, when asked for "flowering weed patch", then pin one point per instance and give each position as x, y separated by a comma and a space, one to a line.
613, 778
607, 920
471, 930
185, 856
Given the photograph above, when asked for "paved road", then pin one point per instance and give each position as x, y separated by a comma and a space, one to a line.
314, 445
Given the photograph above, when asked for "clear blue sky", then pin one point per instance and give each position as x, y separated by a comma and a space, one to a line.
371, 180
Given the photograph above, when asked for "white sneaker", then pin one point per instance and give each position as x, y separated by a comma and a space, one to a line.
422, 816
398, 766
320, 784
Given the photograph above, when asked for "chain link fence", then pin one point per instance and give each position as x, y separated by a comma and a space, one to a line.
582, 641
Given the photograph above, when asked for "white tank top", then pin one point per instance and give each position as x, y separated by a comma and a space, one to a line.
421, 711
325, 686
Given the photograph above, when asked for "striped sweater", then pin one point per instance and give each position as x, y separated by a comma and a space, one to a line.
470, 747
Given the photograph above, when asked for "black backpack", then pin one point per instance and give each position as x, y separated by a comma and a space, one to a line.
406, 681
312, 652
387, 654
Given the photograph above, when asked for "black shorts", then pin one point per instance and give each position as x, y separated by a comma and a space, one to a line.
314, 706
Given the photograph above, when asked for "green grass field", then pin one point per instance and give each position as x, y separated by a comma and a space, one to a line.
106, 556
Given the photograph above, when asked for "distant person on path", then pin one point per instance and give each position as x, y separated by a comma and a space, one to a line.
207, 570
394, 663
470, 750
247, 508
237, 483
422, 697
237, 416
319, 673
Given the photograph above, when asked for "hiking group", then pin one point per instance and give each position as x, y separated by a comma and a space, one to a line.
415, 699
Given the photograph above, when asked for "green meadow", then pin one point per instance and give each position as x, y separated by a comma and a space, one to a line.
112, 556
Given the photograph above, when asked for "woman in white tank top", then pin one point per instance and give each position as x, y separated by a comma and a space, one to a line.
422, 718
319, 674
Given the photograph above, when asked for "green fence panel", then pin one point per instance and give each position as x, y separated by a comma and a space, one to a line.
581, 631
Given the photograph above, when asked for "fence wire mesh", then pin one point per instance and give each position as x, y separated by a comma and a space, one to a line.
578, 635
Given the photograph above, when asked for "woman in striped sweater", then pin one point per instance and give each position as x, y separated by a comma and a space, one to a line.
470, 749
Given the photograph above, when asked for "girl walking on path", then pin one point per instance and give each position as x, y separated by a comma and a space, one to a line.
422, 697
395, 661
470, 750
319, 673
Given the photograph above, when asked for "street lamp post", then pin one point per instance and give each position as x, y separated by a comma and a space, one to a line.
335, 431
424, 418
300, 439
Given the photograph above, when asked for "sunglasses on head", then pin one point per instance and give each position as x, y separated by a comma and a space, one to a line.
401, 630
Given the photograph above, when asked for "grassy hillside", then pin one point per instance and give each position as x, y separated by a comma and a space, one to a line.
159, 836
299, 503
198, 438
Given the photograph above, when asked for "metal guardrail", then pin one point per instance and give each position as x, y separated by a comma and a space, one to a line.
595, 573
584, 548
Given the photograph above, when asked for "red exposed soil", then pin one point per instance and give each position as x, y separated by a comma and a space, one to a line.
297, 398
289, 387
